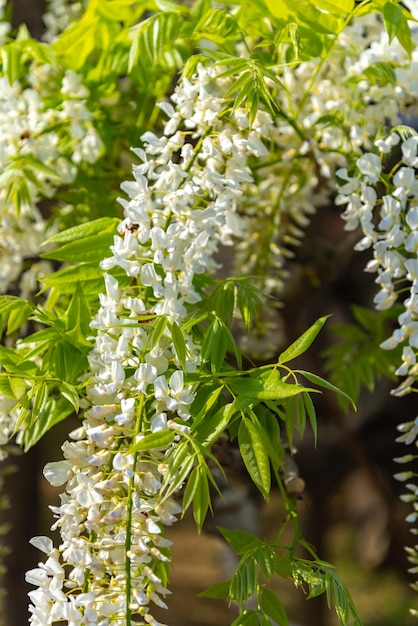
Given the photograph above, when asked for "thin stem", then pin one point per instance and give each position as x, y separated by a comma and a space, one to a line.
128, 538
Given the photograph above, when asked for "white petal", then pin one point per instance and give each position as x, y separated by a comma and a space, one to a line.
57, 473
42, 543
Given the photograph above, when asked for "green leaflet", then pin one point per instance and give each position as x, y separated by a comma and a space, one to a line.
69, 392
12, 387
254, 455
303, 342
65, 279
272, 606
51, 412
321, 382
91, 248
247, 618
154, 441
241, 541
393, 18
157, 44
16, 174
201, 496
268, 385
14, 312
206, 399
381, 74
338, 7
216, 25
218, 591
82, 231
66, 359
214, 345
179, 344
11, 56
309, 13
184, 469
210, 428
78, 317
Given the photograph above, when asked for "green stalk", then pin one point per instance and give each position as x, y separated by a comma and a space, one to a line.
128, 539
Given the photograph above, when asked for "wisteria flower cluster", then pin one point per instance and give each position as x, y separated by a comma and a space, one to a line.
389, 221
42, 146
328, 111
113, 509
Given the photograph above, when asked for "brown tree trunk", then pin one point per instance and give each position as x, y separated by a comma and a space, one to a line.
29, 12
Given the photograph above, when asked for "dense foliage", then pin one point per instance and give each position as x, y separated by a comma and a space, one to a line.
246, 117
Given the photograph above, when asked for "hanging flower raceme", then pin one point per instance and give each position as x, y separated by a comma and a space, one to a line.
390, 228
112, 560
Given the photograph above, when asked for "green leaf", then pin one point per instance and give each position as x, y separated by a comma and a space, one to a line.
241, 541
69, 362
312, 415
214, 345
12, 387
283, 565
381, 74
404, 37
303, 342
15, 311
65, 279
154, 441
70, 393
18, 316
11, 56
267, 385
82, 231
321, 382
53, 411
175, 479
18, 387
205, 400
393, 18
78, 315
307, 13
208, 430
77, 43
289, 416
316, 19
17, 362
158, 43
218, 591
254, 455
91, 248
201, 499
338, 7
271, 605
191, 489
158, 330
216, 25
39, 398
279, 8
247, 618
179, 344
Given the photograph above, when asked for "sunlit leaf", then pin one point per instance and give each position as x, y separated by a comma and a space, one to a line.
154, 441
265, 386
303, 342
